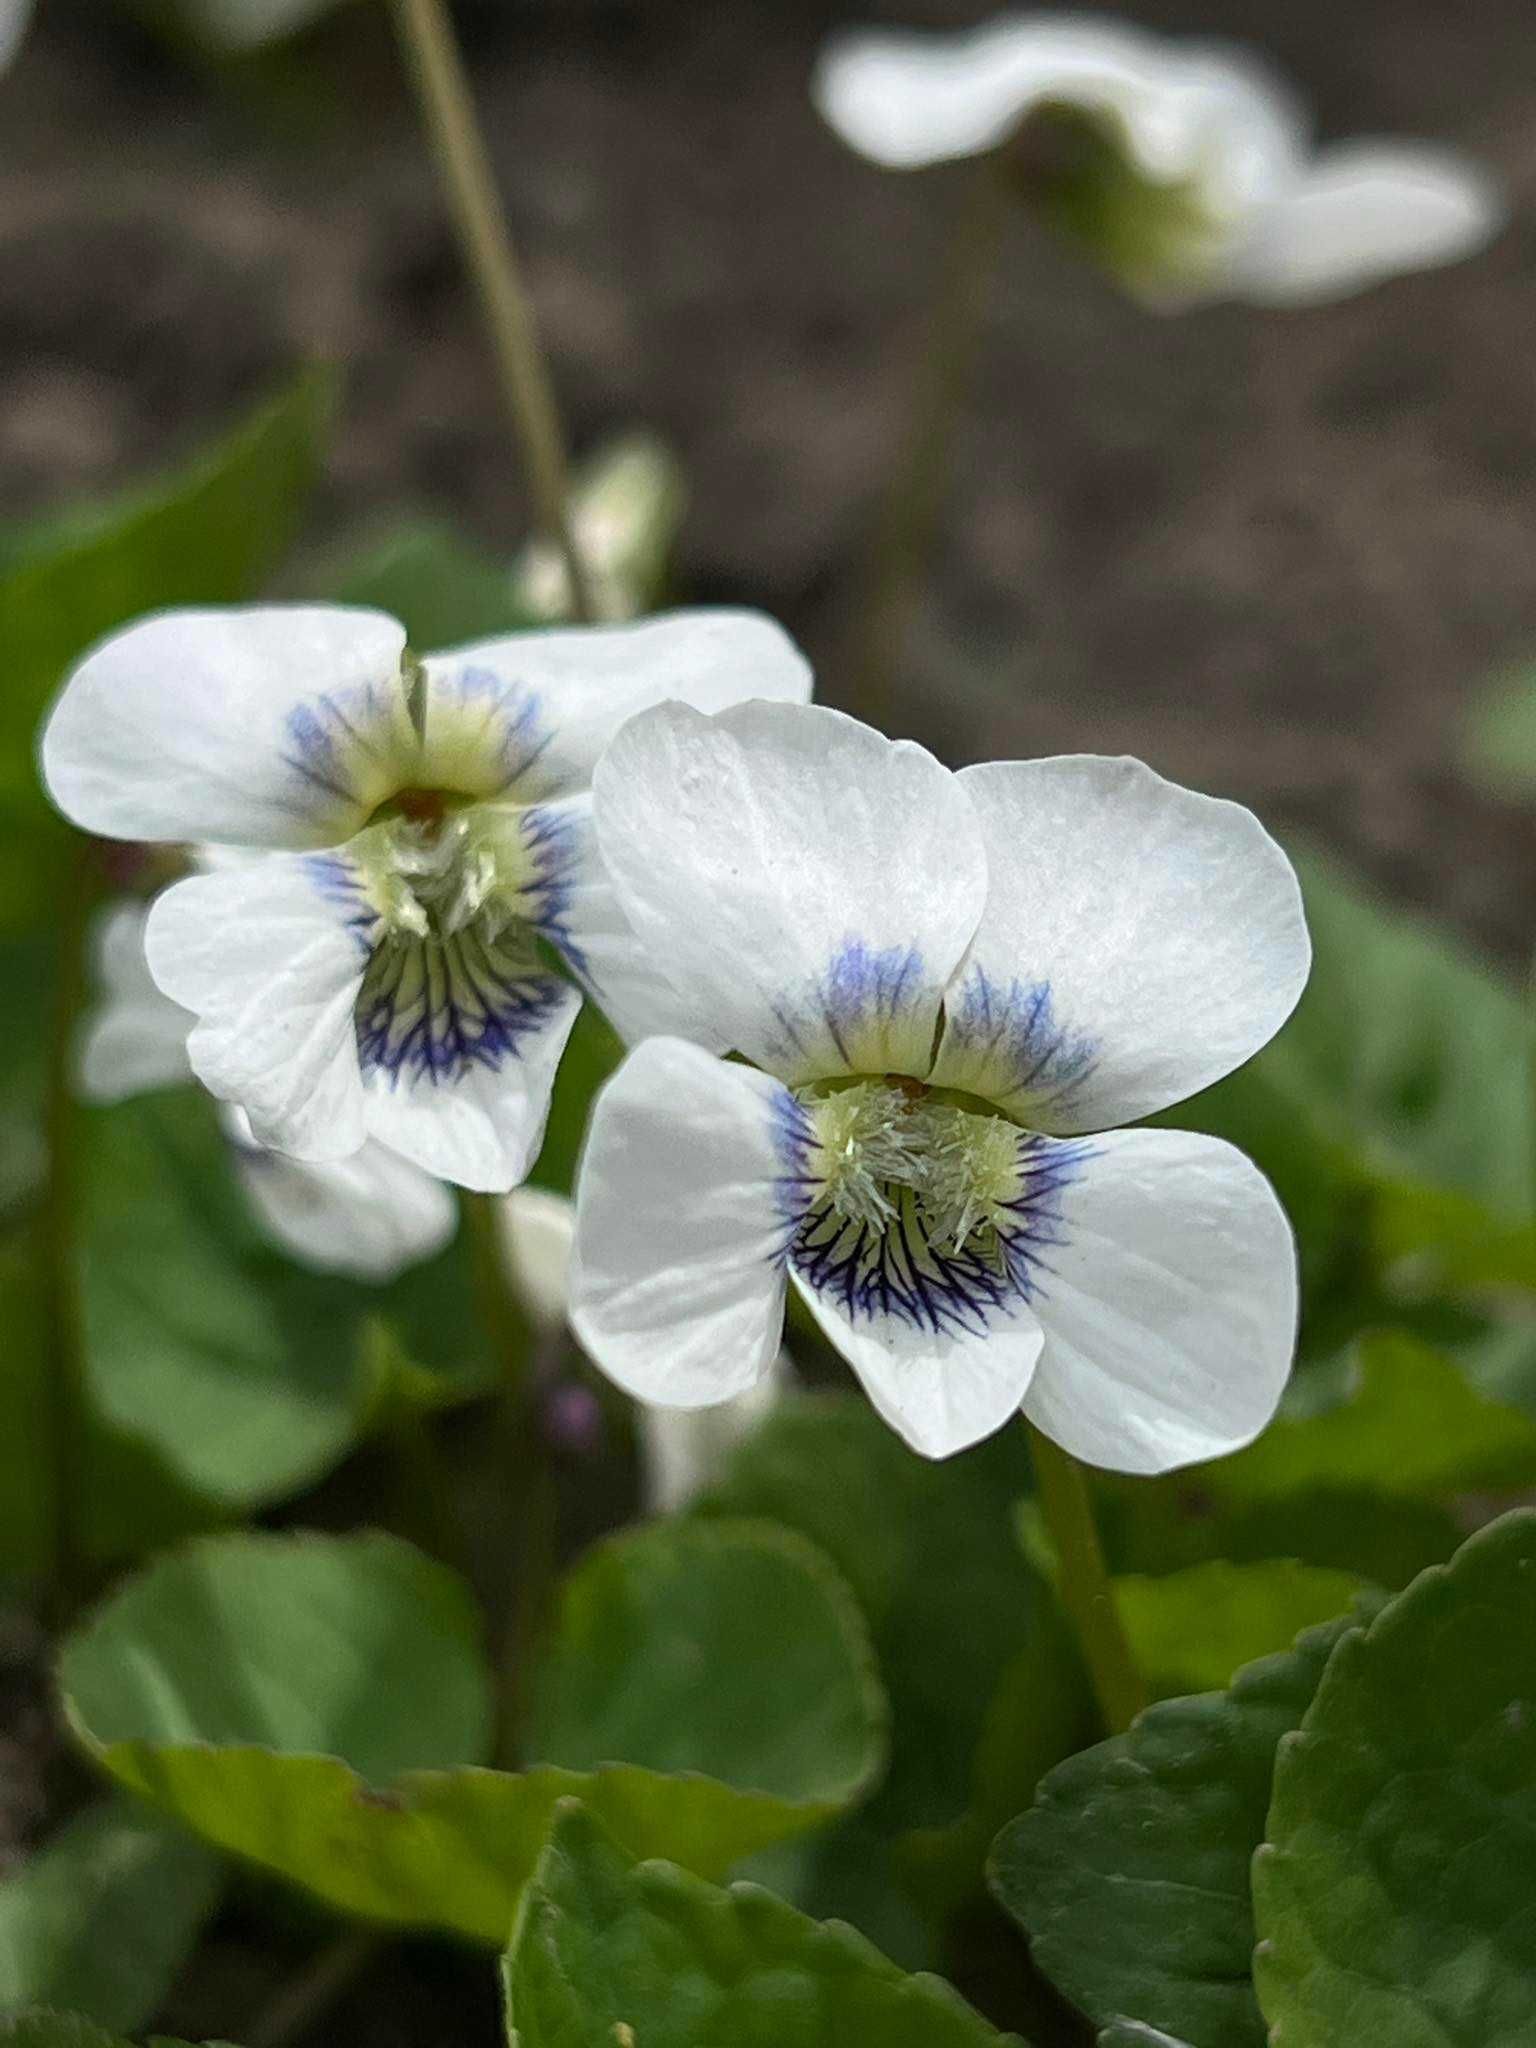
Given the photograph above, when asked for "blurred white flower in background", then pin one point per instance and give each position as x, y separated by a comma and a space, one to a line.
400, 956
1186, 169
943, 984
682, 1450
368, 1217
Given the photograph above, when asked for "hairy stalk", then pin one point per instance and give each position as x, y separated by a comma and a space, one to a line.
1083, 1583
526, 1463
909, 512
65, 1393
464, 165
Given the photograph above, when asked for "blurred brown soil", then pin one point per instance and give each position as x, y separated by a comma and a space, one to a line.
1274, 554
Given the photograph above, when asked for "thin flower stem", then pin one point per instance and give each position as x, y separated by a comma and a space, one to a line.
526, 1461
464, 165
1083, 1583
66, 1378
909, 513
305, 2000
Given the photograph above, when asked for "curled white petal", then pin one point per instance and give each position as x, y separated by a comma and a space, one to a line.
1366, 211
804, 882
135, 1036
267, 962
236, 726
677, 1284
1139, 941
1168, 1304
368, 1217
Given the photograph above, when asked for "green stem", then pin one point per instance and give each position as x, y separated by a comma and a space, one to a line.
66, 1379
909, 513
1083, 1582
469, 184
529, 1474
306, 1998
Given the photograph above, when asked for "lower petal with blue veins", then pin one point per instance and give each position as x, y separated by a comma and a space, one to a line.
432, 1009
903, 1208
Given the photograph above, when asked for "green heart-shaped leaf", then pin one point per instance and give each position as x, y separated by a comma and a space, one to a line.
646, 1956
245, 1374
1394, 1895
1130, 1873
288, 1698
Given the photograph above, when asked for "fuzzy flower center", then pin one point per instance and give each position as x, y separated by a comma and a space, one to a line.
455, 896
919, 1204
438, 866
884, 1145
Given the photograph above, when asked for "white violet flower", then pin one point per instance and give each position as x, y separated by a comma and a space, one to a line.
1185, 168
396, 962
682, 1450
368, 1217
943, 993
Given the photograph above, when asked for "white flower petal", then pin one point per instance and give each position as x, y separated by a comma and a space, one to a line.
1183, 111
1169, 1304
136, 1037
368, 1217
584, 920
538, 1230
685, 1450
265, 956
808, 884
677, 1287
573, 687
940, 1390
256, 726
1139, 941
1367, 211
481, 1122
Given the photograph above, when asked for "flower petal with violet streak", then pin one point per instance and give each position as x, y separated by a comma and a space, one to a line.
806, 883
579, 684
239, 726
1139, 941
941, 1391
